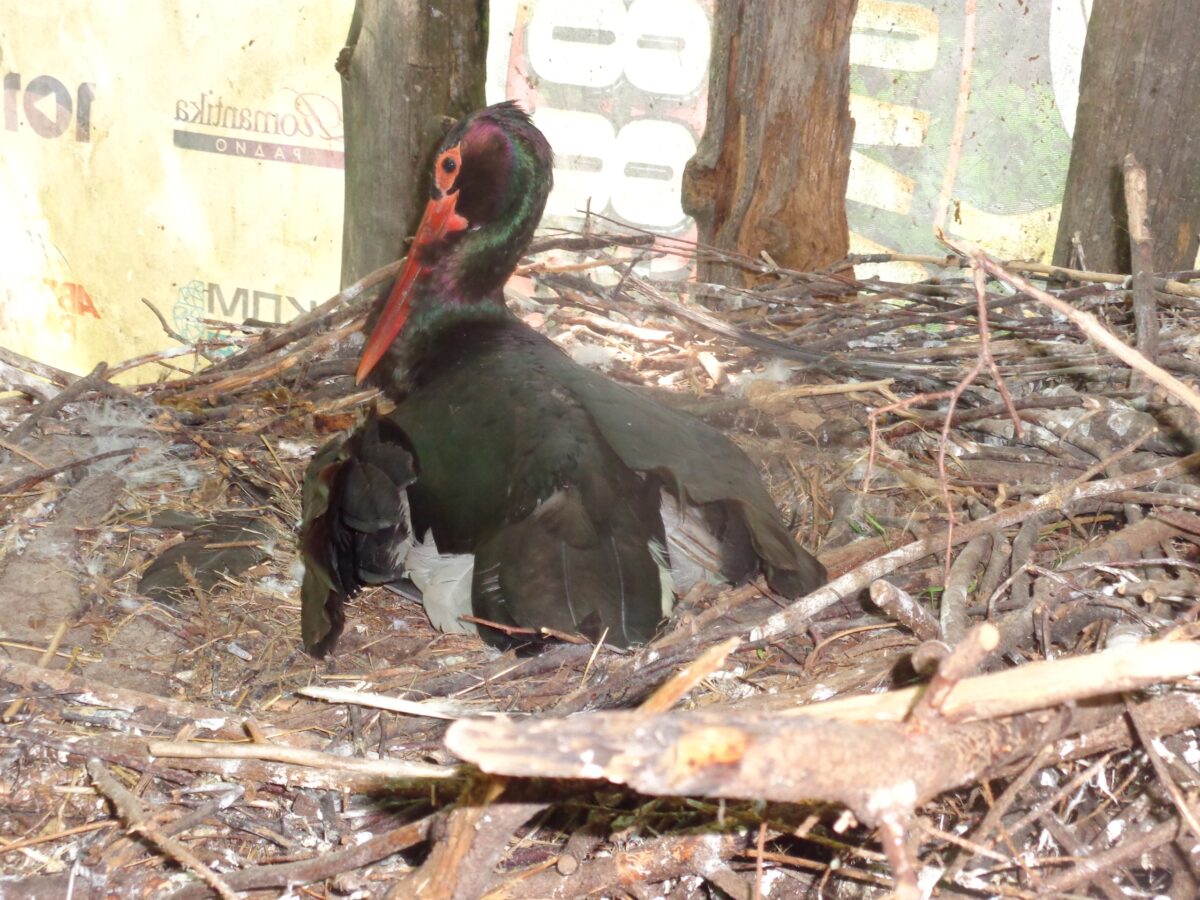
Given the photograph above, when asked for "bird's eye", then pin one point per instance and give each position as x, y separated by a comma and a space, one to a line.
449, 165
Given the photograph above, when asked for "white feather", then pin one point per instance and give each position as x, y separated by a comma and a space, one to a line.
693, 550
445, 584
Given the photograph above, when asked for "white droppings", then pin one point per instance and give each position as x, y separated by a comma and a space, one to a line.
902, 795
770, 876
928, 878
589, 768
1166, 752
709, 858
591, 356
822, 692
1114, 829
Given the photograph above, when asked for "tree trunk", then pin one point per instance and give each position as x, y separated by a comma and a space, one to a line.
770, 172
1137, 94
406, 67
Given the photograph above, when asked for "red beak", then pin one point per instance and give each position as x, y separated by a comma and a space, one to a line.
439, 220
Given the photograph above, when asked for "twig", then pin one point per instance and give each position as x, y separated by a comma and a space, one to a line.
966, 657
904, 608
953, 611
1091, 327
892, 834
1033, 686
660, 859
1141, 253
385, 768
325, 865
44, 659
1071, 844
436, 708
40, 369
130, 810
1004, 802
1160, 767
673, 690
170, 332
984, 358
72, 392
793, 618
1062, 273
1087, 869
25, 482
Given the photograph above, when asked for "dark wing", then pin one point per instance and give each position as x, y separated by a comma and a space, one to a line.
700, 462
514, 471
356, 527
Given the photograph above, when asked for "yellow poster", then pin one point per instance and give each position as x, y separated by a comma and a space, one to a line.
189, 154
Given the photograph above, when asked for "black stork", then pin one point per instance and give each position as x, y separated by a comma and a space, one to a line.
580, 505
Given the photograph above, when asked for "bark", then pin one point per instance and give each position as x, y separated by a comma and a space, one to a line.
1137, 94
771, 170
405, 68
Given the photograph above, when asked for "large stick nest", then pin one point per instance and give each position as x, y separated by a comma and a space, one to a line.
994, 695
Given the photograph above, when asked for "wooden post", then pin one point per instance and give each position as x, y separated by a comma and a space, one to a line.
1137, 94
406, 67
770, 172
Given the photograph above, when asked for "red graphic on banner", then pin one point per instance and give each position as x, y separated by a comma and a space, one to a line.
73, 298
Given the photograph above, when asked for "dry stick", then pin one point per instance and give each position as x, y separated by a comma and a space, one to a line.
1145, 735
1045, 805
1088, 324
130, 810
199, 347
953, 612
858, 363
297, 756
250, 374
32, 366
25, 482
963, 661
656, 860
324, 866
434, 708
44, 659
1071, 844
302, 325
1087, 869
1141, 253
892, 835
1025, 688
13, 379
794, 618
172, 353
148, 710
1166, 285
69, 394
993, 817
28, 457
983, 358
904, 608
56, 836
674, 689
928, 656
799, 862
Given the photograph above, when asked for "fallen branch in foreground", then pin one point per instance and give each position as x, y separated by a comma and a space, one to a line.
865, 756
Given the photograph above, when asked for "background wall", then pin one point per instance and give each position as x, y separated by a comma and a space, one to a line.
192, 155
